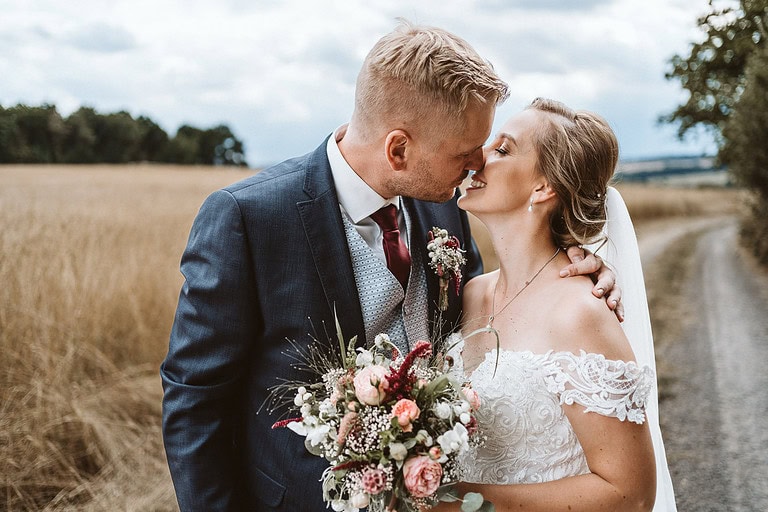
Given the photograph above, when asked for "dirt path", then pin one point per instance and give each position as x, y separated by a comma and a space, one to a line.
713, 419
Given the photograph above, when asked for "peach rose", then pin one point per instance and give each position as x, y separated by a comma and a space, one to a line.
405, 411
370, 385
472, 397
422, 476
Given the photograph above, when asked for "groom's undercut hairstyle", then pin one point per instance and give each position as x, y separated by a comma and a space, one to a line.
423, 75
577, 154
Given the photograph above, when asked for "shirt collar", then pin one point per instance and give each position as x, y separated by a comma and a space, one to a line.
357, 198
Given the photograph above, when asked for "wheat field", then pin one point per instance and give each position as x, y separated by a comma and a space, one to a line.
89, 261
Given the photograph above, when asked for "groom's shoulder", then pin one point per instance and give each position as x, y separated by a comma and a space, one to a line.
283, 178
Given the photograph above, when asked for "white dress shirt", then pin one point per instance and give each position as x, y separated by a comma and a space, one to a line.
358, 200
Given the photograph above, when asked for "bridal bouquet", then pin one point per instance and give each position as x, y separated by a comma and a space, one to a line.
391, 426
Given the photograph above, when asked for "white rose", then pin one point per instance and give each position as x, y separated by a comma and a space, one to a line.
443, 410
360, 500
398, 451
364, 358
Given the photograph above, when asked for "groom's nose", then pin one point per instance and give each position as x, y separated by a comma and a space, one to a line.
476, 160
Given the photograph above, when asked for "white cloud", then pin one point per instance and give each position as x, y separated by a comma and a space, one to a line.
281, 73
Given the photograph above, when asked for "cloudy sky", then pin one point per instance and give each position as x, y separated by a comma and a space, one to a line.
281, 74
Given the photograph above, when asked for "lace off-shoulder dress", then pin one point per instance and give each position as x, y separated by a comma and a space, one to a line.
527, 436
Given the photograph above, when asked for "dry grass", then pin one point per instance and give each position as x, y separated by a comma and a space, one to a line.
89, 271
90, 280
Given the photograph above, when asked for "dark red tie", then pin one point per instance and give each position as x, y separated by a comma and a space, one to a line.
398, 258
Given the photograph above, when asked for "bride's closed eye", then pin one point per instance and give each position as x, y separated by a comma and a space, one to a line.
502, 150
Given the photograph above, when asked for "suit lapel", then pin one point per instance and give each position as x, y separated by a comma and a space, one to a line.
426, 216
324, 229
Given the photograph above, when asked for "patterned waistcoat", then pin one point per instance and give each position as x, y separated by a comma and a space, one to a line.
386, 307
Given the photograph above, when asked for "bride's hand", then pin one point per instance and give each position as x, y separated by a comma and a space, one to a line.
583, 262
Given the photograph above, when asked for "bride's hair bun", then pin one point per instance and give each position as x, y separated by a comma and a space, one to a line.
577, 154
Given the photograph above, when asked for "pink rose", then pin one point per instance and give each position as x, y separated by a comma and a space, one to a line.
422, 476
370, 385
405, 411
435, 453
472, 397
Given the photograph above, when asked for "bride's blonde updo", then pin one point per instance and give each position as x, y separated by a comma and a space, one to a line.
577, 154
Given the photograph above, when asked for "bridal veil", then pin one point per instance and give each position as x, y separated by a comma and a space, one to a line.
622, 254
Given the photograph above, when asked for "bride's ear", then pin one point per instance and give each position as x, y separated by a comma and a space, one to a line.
543, 193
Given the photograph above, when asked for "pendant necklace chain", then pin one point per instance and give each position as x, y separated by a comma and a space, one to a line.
528, 282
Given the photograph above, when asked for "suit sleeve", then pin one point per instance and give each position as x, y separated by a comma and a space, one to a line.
215, 325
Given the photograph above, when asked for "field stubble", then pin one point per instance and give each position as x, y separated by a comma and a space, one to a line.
89, 264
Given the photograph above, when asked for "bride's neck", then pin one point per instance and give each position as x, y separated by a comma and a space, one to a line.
522, 248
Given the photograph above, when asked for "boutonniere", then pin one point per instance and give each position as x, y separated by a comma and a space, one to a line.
446, 257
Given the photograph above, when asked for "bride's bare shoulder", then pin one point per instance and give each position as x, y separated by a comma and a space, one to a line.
476, 288
582, 321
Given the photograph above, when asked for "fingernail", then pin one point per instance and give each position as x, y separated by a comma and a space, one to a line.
600, 292
564, 273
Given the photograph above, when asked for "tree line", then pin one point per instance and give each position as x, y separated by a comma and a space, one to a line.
39, 134
726, 75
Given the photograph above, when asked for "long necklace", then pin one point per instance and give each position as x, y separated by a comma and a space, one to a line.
528, 282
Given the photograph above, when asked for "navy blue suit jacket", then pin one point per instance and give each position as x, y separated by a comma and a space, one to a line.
267, 261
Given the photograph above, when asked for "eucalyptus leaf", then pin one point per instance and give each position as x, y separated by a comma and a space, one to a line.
472, 502
487, 507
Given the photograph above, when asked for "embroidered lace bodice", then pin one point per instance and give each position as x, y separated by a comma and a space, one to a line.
528, 437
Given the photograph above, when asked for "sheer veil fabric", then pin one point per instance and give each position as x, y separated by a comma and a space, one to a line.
622, 254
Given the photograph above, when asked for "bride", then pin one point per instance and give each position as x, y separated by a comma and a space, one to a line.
569, 415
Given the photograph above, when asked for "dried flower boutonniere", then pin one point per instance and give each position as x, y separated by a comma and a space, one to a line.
446, 257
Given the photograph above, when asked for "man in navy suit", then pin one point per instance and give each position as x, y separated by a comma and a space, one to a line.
271, 258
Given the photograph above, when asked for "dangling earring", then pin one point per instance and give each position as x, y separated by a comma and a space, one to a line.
530, 206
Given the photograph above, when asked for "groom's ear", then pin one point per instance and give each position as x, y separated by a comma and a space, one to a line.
396, 147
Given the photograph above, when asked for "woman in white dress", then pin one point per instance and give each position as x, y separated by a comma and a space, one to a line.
564, 398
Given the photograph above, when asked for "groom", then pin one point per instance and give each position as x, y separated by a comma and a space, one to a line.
271, 258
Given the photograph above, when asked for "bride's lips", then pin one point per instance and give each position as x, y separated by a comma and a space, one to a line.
476, 183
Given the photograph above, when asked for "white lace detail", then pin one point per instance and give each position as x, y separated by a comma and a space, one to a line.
610, 388
528, 437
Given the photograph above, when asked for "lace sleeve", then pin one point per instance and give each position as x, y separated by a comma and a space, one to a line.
612, 388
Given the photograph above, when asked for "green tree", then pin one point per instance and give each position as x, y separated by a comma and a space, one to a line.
184, 146
714, 71
117, 138
745, 151
214, 146
221, 147
40, 135
153, 141
727, 78
80, 142
40, 132
9, 136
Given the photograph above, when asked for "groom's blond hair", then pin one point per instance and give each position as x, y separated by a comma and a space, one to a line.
422, 73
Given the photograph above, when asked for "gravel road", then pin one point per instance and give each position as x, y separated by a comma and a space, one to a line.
715, 420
